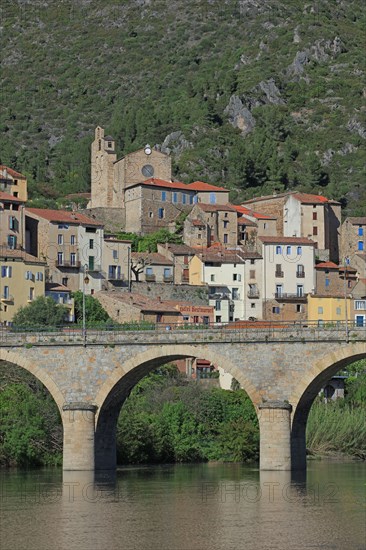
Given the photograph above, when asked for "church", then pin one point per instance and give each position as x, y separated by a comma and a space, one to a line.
138, 190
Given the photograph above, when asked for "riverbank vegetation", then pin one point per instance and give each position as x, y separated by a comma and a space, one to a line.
168, 419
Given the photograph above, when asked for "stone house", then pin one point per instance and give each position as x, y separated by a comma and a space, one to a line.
210, 223
22, 280
13, 183
329, 278
305, 215
288, 276
358, 308
70, 243
180, 255
126, 307
353, 237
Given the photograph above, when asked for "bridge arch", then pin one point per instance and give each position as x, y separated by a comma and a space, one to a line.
21, 361
117, 388
308, 388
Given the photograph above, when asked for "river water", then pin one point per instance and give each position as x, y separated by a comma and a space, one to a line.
185, 507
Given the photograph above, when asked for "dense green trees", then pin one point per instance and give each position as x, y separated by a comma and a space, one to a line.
42, 312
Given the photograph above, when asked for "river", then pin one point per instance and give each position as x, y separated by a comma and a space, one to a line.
185, 507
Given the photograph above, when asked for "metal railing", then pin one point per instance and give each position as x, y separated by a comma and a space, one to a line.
135, 333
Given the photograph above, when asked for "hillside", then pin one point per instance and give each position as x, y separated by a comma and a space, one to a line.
256, 95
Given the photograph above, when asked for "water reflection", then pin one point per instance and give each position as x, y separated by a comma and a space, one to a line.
190, 507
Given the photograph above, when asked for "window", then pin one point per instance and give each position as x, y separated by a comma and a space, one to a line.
163, 196
31, 294
299, 290
191, 197
315, 230
212, 198
64, 281
299, 250
72, 239
360, 304
264, 225
252, 274
278, 250
320, 310
212, 278
327, 282
60, 258
60, 239
236, 277
279, 290
6, 293
151, 215
63, 226
184, 198
288, 250
235, 294
167, 272
299, 308
252, 305
218, 305
360, 245
12, 223
360, 231
175, 198
338, 311
29, 275
39, 276
6, 271
161, 213
225, 238
276, 310
91, 263
225, 224
300, 271
109, 144
315, 216
195, 199
72, 258
149, 271
91, 244
12, 242
252, 262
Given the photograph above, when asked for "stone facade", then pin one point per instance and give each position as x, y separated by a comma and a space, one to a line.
13, 183
353, 238
219, 224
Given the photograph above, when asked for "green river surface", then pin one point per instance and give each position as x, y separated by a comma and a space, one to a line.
185, 507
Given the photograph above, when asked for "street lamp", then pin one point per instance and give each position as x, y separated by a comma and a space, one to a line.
85, 282
346, 263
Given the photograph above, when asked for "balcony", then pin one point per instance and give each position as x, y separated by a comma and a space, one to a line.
288, 297
116, 277
7, 298
253, 294
300, 274
279, 274
168, 279
67, 264
150, 278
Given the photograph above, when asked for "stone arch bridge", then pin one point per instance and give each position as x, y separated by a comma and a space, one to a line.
90, 376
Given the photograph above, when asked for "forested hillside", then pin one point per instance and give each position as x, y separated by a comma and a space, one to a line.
256, 95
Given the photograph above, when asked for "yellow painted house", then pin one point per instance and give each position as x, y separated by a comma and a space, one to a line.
22, 279
328, 308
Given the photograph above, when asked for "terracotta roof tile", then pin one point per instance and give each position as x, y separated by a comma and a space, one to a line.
9, 198
202, 186
243, 210
166, 184
63, 216
286, 240
11, 172
326, 265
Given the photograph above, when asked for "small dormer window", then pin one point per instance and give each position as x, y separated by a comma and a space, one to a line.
110, 144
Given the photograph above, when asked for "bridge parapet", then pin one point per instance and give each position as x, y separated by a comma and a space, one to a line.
184, 335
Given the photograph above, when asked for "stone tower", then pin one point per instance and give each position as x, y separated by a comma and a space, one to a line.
103, 157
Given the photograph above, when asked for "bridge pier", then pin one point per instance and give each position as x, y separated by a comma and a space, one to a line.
275, 435
79, 440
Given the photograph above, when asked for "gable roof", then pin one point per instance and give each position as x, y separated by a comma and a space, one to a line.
5, 169
154, 258
63, 216
243, 220
304, 198
247, 211
156, 182
286, 240
202, 186
9, 198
